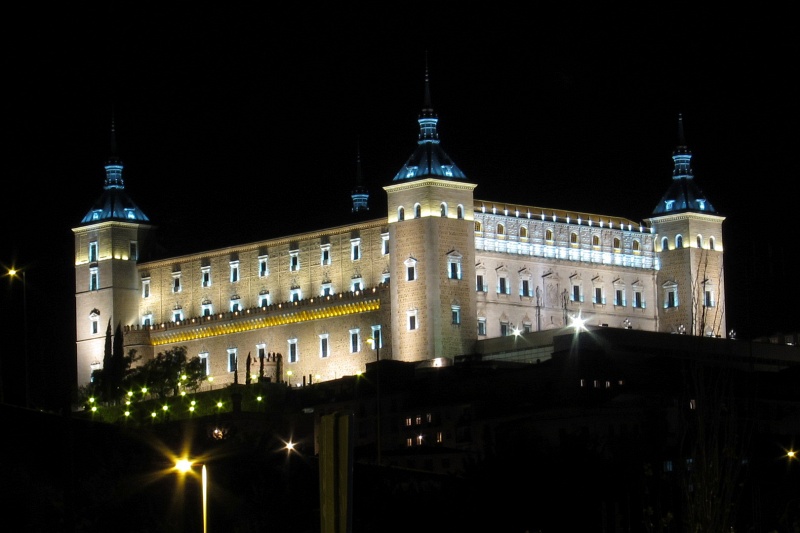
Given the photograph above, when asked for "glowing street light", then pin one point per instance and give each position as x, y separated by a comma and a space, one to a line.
185, 465
14, 273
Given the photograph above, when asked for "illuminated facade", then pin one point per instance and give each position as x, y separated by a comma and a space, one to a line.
442, 271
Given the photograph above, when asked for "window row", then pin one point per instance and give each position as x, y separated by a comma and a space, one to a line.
375, 341
711, 242
444, 211
549, 236
93, 252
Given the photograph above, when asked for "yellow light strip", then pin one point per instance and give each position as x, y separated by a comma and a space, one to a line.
190, 334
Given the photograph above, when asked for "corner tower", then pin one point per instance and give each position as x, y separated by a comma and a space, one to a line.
690, 282
108, 244
432, 251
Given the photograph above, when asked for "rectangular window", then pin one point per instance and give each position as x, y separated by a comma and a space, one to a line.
709, 301
454, 271
176, 283
94, 327
526, 288
204, 362
323, 346
94, 280
479, 283
671, 299
412, 322
327, 289
355, 250
263, 266
482, 326
296, 295
618, 297
93, 252
456, 315
384, 244
293, 355
354, 341
501, 286
234, 272
133, 251
504, 329
326, 256
598, 295
263, 300
206, 309
205, 277
145, 288
637, 300
411, 273
147, 320
294, 261
232, 360
576, 293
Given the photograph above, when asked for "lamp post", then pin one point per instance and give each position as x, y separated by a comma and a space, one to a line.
14, 273
185, 465
376, 342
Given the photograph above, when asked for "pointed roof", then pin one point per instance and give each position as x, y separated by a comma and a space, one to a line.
683, 193
114, 203
428, 160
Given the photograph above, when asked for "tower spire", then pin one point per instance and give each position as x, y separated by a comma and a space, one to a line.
359, 194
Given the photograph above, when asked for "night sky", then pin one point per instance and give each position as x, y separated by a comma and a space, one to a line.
573, 108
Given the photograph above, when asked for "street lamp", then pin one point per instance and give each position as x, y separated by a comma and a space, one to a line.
375, 341
14, 273
184, 466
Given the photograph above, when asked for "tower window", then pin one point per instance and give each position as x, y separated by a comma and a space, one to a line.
93, 252
417, 211
232, 362
294, 261
355, 341
205, 276
355, 249
94, 279
294, 354
325, 255
234, 271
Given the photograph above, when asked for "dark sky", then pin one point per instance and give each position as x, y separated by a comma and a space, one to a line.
243, 123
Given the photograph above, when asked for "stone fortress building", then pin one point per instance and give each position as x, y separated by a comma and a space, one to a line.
443, 271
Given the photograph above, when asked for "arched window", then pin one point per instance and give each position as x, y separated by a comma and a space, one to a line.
401, 213
678, 242
548, 235
636, 245
460, 212
595, 240
478, 226
699, 241
417, 211
501, 229
573, 238
523, 232
711, 243
664, 244
443, 209
617, 245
